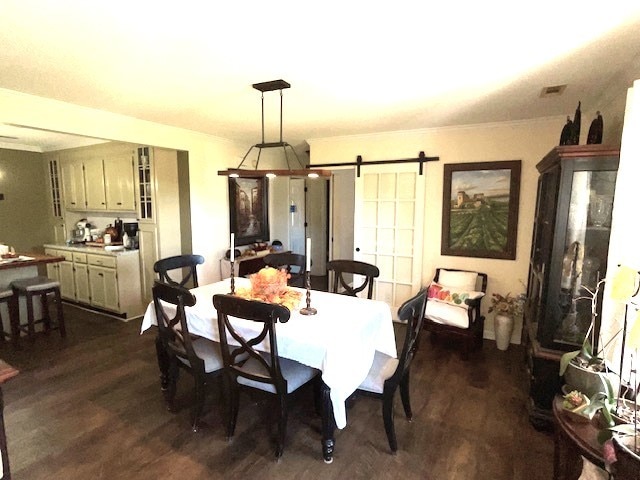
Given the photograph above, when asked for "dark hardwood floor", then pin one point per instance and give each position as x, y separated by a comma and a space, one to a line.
90, 407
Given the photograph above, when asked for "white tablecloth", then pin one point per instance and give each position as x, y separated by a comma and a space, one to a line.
340, 340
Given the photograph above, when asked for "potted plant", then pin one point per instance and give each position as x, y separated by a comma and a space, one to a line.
585, 370
506, 307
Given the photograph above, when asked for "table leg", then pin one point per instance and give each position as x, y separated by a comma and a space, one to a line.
328, 424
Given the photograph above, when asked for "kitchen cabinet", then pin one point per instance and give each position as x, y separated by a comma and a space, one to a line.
62, 272
99, 178
568, 254
73, 185
148, 244
118, 182
56, 218
81, 277
105, 280
94, 184
159, 233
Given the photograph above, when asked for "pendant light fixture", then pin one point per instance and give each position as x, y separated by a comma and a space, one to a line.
287, 149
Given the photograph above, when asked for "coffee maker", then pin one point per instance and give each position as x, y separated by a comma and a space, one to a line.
130, 235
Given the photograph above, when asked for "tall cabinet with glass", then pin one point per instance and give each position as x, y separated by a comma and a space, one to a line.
568, 257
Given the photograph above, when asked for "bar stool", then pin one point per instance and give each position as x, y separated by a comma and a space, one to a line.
7, 297
40, 287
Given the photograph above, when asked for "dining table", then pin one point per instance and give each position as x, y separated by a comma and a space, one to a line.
340, 340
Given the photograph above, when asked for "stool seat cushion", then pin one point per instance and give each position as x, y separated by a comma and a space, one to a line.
6, 293
34, 284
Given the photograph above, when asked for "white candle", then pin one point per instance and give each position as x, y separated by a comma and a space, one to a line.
308, 254
232, 251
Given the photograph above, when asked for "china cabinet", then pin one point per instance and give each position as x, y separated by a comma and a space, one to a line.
568, 254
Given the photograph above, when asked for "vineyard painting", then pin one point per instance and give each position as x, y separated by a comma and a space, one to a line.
480, 209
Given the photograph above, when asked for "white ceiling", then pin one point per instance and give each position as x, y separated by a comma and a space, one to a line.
355, 67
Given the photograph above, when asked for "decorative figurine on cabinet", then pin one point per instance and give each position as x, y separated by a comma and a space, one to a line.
571, 131
595, 130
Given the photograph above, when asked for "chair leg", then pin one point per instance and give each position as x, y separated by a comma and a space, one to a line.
46, 317
163, 363
14, 320
172, 380
233, 400
60, 313
198, 404
31, 331
282, 424
387, 415
404, 395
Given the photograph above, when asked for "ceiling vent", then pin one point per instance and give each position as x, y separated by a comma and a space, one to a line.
553, 91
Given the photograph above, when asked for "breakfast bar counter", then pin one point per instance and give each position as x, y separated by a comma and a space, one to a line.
23, 266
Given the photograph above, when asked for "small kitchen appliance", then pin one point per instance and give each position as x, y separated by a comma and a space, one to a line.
130, 236
82, 232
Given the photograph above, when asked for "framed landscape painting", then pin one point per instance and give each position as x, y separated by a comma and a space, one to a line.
248, 210
480, 209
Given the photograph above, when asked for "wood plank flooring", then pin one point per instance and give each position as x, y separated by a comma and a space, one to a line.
90, 407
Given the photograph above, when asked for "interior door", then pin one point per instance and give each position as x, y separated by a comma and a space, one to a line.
297, 216
388, 226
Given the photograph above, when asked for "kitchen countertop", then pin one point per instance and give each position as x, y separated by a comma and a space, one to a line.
78, 247
28, 260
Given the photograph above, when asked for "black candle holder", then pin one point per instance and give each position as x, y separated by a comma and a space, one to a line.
308, 310
233, 282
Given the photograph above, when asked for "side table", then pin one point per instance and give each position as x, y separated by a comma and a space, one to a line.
7, 372
572, 440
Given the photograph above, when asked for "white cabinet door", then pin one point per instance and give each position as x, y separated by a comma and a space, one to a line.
111, 289
52, 271
94, 184
60, 234
73, 185
148, 245
119, 183
52, 268
67, 284
104, 287
81, 276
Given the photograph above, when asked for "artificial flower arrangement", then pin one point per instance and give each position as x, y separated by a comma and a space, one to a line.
506, 304
270, 285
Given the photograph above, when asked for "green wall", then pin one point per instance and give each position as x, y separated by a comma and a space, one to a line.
24, 210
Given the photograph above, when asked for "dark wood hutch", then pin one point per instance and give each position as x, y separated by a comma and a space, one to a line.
569, 252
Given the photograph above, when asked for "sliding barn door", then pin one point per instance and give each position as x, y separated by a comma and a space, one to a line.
388, 223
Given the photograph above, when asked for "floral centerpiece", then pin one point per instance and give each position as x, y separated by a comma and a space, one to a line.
506, 304
270, 285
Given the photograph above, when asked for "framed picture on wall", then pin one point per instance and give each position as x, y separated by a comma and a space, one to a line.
480, 209
248, 209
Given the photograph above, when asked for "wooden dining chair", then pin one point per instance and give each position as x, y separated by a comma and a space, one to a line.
387, 373
196, 355
294, 263
453, 307
343, 271
264, 371
184, 266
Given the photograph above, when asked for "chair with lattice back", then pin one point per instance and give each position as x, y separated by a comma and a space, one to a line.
182, 267
343, 277
198, 356
387, 373
293, 263
249, 367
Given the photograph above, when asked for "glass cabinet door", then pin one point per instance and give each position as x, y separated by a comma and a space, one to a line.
584, 257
